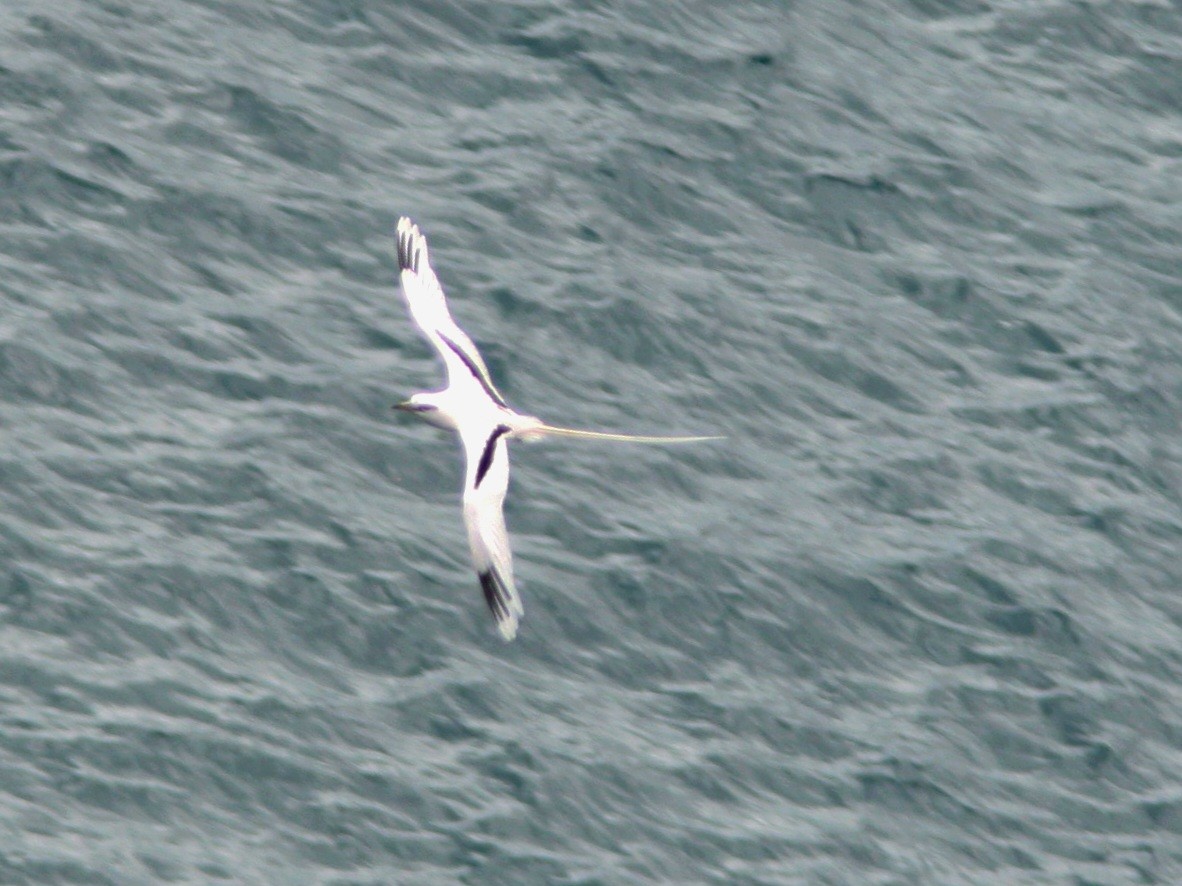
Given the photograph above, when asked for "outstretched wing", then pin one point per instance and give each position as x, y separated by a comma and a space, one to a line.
485, 482
428, 308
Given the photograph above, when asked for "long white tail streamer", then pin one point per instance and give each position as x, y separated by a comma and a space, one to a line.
550, 431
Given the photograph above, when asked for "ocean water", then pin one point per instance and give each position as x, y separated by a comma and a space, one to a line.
918, 620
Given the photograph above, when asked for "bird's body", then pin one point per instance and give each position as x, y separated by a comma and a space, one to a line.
474, 409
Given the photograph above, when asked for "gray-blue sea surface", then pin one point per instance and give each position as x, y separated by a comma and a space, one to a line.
917, 620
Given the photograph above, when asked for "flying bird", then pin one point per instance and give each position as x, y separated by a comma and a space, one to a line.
473, 408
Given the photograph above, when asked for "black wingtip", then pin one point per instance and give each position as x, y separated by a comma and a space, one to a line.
408, 245
495, 595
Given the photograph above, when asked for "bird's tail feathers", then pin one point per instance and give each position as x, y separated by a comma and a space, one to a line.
551, 431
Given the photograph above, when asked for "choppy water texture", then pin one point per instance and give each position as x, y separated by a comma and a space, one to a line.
917, 621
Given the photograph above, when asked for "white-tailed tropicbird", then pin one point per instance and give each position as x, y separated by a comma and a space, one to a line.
471, 406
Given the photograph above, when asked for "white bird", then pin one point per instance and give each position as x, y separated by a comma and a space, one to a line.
471, 406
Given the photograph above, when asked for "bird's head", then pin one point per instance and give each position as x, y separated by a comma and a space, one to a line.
425, 407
